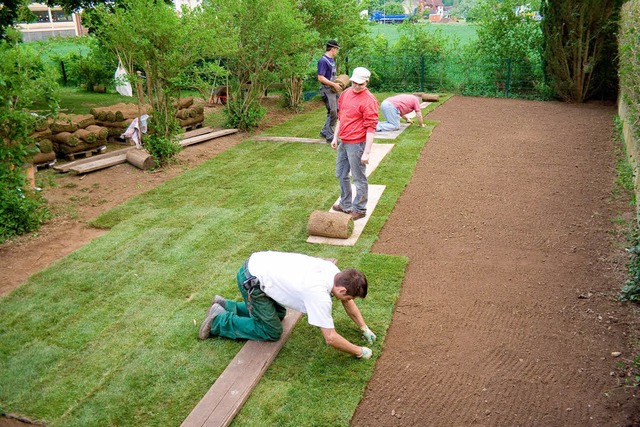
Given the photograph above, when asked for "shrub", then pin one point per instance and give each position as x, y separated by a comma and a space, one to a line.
161, 141
24, 78
243, 115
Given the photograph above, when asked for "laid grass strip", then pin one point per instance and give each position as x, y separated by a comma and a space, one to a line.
106, 336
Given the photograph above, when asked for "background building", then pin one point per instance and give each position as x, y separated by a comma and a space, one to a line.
51, 22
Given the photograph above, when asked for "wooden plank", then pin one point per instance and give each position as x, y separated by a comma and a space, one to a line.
67, 166
211, 135
232, 388
225, 398
289, 139
197, 132
98, 164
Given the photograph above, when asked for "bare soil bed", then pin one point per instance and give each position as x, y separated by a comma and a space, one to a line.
507, 315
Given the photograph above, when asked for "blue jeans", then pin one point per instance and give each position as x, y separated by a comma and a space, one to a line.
349, 160
330, 99
392, 115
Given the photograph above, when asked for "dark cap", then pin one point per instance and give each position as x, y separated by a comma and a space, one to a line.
333, 43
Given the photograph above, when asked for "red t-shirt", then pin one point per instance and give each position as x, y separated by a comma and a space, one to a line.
358, 114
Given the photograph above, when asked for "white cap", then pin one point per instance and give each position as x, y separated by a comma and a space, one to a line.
360, 75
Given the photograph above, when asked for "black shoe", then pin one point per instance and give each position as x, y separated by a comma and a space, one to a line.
338, 208
205, 327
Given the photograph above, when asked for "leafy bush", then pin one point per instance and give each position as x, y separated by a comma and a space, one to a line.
95, 67
243, 115
24, 78
161, 141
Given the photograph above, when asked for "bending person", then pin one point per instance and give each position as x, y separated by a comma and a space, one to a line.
270, 281
398, 106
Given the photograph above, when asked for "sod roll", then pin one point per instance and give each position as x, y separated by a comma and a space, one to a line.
330, 224
39, 158
342, 80
430, 97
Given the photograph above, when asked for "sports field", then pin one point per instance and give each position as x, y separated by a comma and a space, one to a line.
464, 32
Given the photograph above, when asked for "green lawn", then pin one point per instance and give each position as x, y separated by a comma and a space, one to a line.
108, 335
466, 33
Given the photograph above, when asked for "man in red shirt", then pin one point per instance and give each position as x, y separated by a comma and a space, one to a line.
355, 129
398, 106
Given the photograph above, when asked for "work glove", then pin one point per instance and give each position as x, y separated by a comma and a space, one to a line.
366, 353
368, 335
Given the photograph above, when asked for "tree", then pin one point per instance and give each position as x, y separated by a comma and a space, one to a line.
463, 8
503, 34
340, 21
271, 40
149, 37
12, 11
24, 79
579, 49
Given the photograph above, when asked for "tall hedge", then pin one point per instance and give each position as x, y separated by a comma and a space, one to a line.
580, 47
629, 69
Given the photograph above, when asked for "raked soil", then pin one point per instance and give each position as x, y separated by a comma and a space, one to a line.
507, 315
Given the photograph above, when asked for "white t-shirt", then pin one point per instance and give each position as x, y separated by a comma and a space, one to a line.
297, 281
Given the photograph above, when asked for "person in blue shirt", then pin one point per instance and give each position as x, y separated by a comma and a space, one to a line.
329, 89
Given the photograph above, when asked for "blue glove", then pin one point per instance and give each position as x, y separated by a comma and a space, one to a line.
366, 353
368, 335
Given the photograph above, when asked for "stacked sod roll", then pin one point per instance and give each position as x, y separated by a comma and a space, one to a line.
73, 133
117, 118
189, 113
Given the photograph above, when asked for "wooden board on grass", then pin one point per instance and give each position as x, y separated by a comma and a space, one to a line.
290, 139
196, 132
232, 388
206, 137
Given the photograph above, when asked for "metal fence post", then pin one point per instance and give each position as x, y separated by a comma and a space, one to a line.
421, 73
64, 73
508, 82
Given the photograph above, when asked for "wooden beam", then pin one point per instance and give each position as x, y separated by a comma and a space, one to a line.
232, 388
289, 139
68, 166
97, 164
206, 137
197, 132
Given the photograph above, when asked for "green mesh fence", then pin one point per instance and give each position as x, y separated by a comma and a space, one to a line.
473, 77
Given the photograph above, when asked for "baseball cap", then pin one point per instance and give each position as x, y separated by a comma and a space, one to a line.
333, 43
360, 75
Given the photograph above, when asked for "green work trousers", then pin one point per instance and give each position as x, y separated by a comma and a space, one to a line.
258, 318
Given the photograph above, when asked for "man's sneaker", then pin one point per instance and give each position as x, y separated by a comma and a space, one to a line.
205, 327
357, 215
220, 301
338, 208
